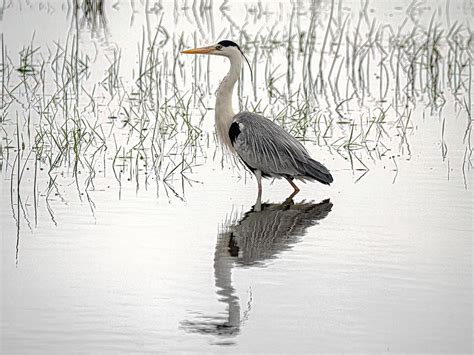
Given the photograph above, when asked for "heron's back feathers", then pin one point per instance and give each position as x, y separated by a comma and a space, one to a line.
265, 146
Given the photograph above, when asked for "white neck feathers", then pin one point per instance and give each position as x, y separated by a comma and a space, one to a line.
224, 112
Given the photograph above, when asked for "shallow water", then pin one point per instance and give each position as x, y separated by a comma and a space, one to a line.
128, 262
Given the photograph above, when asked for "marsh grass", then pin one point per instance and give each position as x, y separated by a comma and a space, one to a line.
346, 82
412, 64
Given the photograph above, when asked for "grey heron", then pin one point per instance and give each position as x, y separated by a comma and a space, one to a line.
263, 146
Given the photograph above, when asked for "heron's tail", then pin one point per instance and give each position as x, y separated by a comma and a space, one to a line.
318, 171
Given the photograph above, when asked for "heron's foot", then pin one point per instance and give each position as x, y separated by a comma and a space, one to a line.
288, 202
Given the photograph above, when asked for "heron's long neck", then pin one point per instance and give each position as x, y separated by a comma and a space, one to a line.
224, 112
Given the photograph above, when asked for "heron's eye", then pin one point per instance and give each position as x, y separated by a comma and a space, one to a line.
219, 47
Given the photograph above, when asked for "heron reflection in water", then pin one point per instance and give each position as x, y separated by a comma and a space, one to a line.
259, 236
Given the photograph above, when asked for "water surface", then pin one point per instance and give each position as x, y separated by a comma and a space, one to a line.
139, 235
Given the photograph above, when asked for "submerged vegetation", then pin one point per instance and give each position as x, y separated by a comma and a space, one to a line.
345, 80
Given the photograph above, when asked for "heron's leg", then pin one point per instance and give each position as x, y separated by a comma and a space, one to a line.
294, 186
258, 204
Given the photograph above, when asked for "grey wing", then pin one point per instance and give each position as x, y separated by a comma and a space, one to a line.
265, 146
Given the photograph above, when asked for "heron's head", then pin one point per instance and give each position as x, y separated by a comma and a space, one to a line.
224, 48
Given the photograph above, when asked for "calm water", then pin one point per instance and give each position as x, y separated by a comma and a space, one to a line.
130, 260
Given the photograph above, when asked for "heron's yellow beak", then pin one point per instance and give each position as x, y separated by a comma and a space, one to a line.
202, 50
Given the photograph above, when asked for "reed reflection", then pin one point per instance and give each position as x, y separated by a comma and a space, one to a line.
259, 236
91, 15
